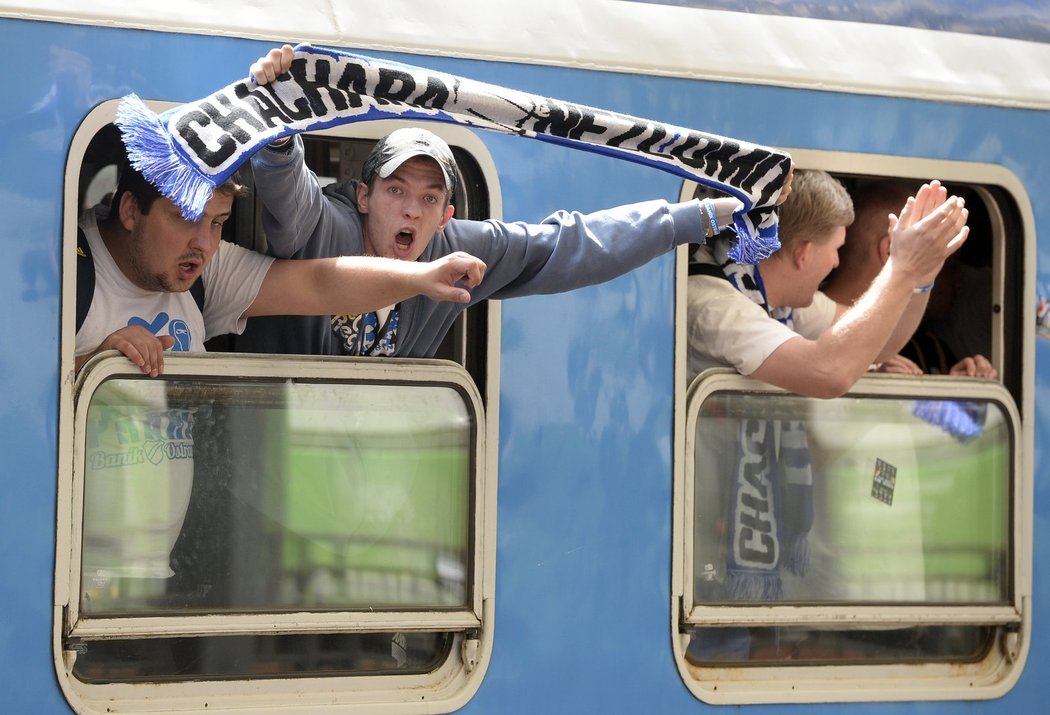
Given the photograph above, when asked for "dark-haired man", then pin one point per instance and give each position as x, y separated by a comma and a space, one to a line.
146, 257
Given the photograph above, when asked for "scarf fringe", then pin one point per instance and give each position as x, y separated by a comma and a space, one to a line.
753, 586
752, 245
152, 152
794, 554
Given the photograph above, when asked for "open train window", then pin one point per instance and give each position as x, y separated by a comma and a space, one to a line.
875, 546
334, 155
316, 530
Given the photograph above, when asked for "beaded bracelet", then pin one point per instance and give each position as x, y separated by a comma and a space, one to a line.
923, 289
711, 229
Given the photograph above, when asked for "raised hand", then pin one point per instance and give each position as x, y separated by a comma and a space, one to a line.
272, 65
931, 227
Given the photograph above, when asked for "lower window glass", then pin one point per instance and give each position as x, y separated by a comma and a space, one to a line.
851, 501
218, 497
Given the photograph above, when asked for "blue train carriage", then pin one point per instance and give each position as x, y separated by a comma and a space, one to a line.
329, 535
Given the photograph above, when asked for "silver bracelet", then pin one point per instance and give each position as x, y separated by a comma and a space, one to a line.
711, 229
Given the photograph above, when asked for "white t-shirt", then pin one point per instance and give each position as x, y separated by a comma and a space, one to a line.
728, 329
232, 280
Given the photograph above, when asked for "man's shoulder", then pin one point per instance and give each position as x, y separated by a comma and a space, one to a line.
231, 259
343, 192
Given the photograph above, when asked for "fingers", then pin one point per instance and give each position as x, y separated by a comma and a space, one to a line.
272, 65
964, 368
984, 367
900, 365
928, 198
958, 240
443, 278
947, 225
141, 347
470, 270
926, 243
147, 355
454, 294
976, 366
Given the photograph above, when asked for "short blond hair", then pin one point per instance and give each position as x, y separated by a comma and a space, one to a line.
818, 204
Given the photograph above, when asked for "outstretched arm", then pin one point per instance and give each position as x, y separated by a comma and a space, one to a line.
828, 366
358, 284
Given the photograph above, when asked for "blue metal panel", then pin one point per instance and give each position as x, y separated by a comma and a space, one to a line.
36, 120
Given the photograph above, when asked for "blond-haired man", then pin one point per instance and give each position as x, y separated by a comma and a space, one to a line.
771, 322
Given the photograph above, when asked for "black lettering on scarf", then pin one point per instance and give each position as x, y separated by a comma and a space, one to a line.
763, 167
756, 542
567, 120
632, 132
394, 85
311, 88
353, 79
265, 107
436, 94
642, 137
207, 113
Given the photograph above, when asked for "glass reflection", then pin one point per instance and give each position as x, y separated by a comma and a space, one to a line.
853, 500
231, 496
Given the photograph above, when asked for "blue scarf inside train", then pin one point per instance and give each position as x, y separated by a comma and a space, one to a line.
771, 496
771, 508
189, 150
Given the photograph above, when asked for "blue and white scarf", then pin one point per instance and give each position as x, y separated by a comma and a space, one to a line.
748, 280
189, 150
771, 508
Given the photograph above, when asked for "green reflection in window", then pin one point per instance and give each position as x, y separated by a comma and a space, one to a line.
853, 500
243, 497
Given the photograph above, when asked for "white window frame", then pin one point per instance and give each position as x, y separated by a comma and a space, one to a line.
775, 683
445, 689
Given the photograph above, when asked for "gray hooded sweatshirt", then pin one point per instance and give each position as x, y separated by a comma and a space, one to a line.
567, 250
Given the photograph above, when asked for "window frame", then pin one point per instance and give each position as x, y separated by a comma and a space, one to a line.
785, 682
472, 625
248, 369
444, 689
1001, 668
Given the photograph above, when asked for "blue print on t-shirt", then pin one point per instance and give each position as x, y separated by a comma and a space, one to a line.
159, 322
177, 329
181, 332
